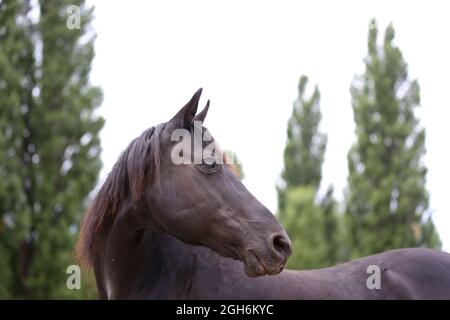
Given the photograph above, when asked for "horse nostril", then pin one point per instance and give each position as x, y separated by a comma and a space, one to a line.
282, 245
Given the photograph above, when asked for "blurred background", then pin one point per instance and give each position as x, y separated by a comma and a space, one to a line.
337, 112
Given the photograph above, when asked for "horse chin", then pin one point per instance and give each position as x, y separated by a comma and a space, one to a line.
254, 267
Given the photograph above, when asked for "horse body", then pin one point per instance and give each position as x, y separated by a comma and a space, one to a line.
160, 228
176, 270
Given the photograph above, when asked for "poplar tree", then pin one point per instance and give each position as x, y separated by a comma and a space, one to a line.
50, 155
311, 223
387, 202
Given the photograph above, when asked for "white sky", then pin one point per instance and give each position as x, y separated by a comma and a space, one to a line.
248, 56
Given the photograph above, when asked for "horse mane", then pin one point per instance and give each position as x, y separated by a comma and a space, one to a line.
136, 168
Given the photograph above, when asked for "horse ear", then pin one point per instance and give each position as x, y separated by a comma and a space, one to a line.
202, 115
185, 116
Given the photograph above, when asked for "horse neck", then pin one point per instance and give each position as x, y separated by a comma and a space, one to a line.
151, 265
146, 264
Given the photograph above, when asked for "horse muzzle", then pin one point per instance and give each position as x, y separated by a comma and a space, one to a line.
269, 261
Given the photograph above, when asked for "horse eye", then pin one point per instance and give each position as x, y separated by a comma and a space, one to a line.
210, 162
209, 166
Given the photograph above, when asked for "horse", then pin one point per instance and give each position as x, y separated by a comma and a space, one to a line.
158, 229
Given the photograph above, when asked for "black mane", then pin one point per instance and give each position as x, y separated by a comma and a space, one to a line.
136, 167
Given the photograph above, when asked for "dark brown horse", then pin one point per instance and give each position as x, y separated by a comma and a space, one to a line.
162, 230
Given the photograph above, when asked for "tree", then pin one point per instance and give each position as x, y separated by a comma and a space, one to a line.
313, 227
387, 203
49, 131
335, 251
305, 147
304, 152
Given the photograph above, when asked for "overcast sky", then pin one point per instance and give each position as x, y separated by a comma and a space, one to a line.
248, 56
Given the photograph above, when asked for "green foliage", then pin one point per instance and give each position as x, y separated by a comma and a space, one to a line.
50, 145
313, 233
313, 227
332, 229
305, 148
387, 203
